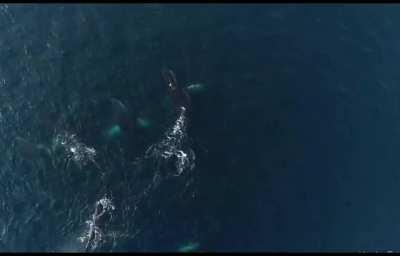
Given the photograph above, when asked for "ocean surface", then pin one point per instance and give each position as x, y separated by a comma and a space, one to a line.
291, 143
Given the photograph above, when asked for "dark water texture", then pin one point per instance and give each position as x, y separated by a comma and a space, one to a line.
296, 135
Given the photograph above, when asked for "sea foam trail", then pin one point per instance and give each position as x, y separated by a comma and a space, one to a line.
174, 146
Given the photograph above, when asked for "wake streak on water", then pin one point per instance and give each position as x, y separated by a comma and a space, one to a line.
95, 235
174, 147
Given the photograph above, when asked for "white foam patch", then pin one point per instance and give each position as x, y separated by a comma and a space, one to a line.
74, 149
94, 235
175, 145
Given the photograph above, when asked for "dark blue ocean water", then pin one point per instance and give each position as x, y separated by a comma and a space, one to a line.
295, 130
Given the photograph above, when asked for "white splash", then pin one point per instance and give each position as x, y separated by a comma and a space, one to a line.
174, 145
94, 235
74, 149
